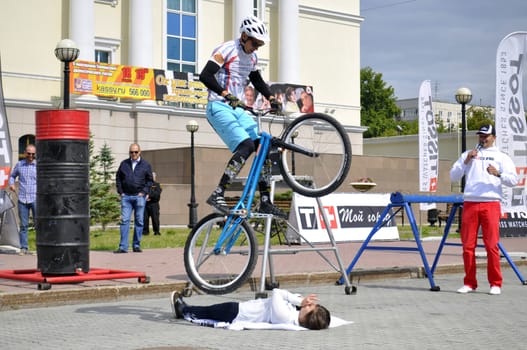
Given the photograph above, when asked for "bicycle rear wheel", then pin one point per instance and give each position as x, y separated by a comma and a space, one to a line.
223, 270
320, 175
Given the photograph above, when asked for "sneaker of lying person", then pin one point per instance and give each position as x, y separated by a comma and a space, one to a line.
177, 304
267, 207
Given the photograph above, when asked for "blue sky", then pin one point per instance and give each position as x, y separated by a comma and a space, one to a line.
450, 42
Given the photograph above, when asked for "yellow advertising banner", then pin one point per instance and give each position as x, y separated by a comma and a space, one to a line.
169, 87
112, 80
180, 87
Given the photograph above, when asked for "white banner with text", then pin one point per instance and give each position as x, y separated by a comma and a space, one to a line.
351, 217
428, 144
511, 128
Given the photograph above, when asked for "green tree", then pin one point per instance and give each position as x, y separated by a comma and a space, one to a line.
409, 127
104, 202
478, 116
378, 108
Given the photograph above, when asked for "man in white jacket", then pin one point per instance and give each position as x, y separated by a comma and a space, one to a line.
485, 169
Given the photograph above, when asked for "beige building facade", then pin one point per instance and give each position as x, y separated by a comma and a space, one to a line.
136, 32
140, 33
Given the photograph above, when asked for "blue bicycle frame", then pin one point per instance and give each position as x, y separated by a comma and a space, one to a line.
242, 209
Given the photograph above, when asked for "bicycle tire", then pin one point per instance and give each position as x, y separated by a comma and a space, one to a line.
221, 272
323, 174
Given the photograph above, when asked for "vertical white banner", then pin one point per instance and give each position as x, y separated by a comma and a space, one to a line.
511, 129
8, 228
428, 144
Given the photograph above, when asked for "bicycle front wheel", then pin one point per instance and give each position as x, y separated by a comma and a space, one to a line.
220, 269
323, 173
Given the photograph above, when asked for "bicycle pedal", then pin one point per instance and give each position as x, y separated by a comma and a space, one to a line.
260, 215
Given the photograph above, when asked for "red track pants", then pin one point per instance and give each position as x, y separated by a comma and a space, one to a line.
486, 214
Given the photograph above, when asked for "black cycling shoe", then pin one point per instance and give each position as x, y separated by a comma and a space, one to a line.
218, 202
267, 207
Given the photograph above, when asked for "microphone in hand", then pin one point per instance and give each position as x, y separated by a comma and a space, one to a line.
473, 153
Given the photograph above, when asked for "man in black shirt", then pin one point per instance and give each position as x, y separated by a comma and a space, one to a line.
152, 208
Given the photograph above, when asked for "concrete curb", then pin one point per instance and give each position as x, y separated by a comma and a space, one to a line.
11, 301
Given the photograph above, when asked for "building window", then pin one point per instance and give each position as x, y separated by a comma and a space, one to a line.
259, 8
103, 56
106, 49
181, 35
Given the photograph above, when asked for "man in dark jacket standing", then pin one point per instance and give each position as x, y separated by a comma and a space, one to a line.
152, 207
133, 181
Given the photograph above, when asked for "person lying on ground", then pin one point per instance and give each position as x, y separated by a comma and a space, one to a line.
283, 307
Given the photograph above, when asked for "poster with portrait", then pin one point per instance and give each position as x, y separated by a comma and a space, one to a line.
251, 95
294, 98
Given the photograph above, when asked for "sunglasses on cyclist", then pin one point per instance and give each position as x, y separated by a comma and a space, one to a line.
256, 44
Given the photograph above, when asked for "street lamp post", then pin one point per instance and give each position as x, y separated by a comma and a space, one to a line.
463, 96
192, 127
66, 51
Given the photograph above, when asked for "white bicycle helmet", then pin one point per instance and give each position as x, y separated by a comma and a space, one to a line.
255, 28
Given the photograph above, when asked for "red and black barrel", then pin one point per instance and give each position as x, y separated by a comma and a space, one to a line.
62, 220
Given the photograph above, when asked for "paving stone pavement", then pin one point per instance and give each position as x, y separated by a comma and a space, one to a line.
393, 309
393, 313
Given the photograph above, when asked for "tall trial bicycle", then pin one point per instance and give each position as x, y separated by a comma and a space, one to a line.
221, 251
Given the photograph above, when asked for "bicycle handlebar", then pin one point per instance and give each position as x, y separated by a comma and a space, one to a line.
258, 112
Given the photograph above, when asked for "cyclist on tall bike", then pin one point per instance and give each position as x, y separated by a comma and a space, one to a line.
232, 65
